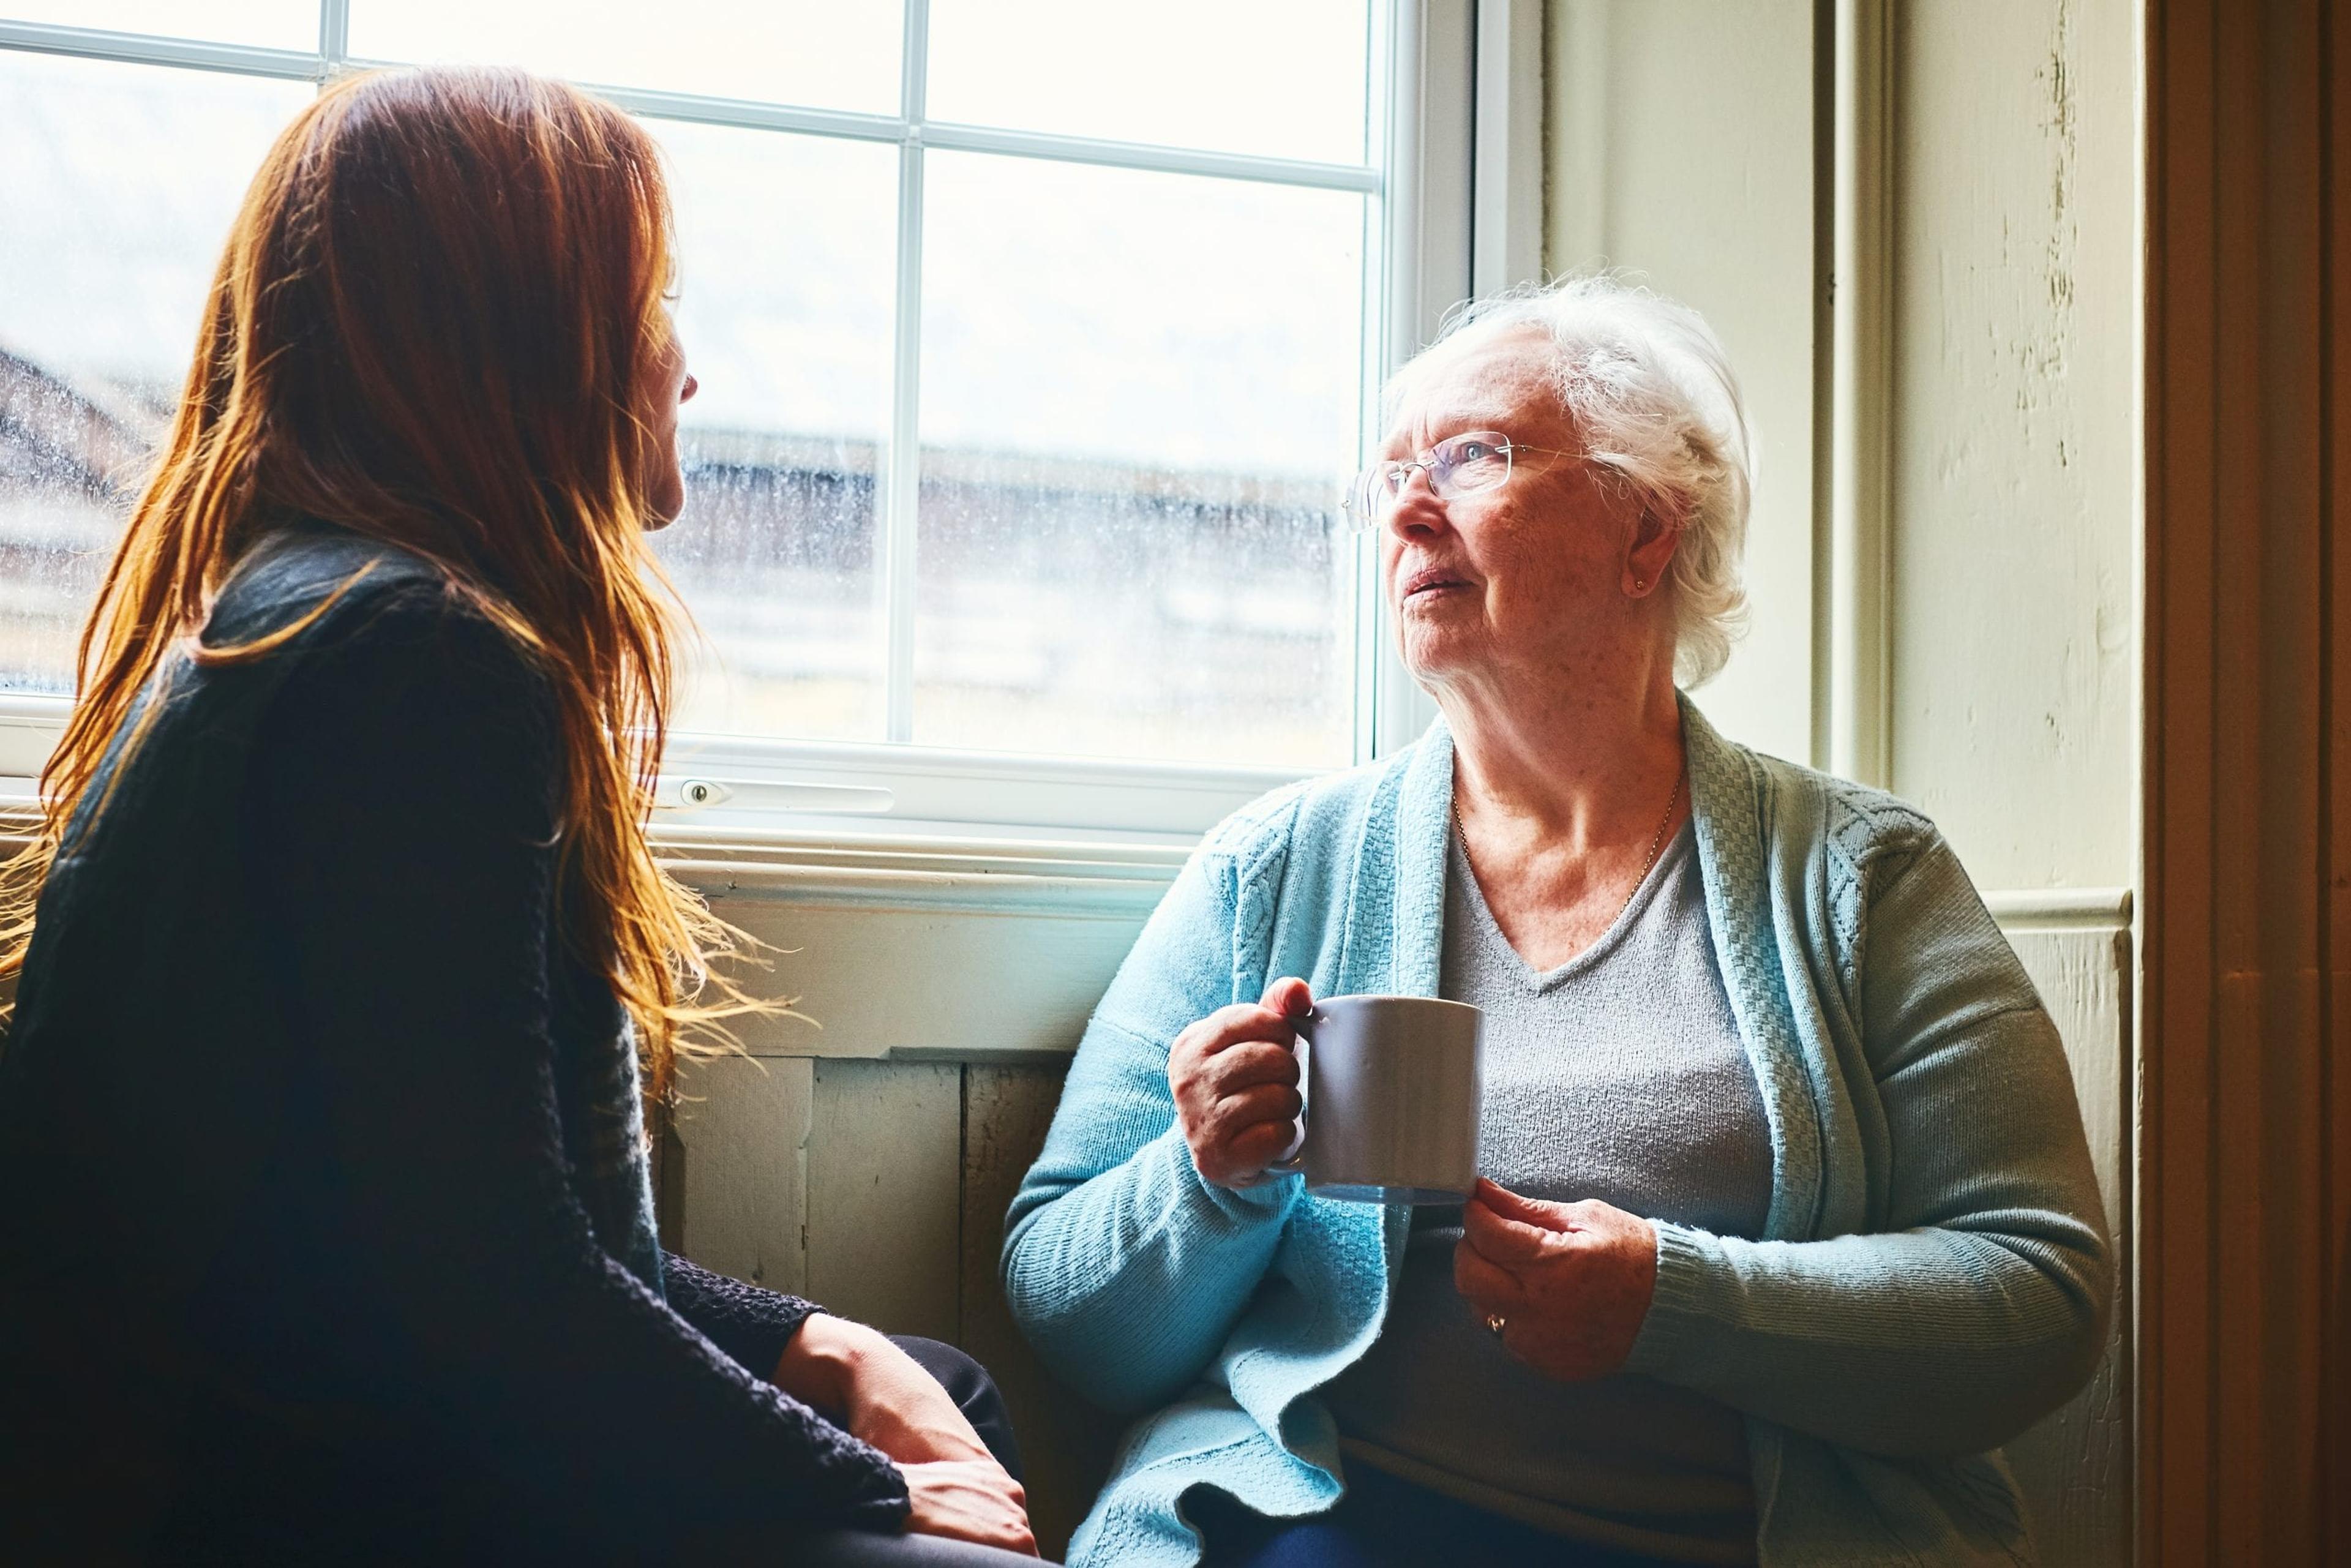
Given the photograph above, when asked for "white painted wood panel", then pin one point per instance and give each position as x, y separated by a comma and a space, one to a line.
2077, 1466
1066, 1444
885, 1194
743, 1125
963, 955
875, 980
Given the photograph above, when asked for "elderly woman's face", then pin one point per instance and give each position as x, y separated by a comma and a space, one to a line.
1508, 578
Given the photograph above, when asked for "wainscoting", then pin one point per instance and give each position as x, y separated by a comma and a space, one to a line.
868, 1164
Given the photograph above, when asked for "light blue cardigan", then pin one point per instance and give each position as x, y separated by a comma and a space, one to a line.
1934, 1274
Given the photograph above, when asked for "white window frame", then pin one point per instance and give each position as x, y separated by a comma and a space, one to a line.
1457, 199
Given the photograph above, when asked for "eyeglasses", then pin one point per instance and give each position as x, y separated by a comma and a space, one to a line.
1458, 466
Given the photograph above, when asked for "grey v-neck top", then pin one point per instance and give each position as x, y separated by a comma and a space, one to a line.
1620, 1076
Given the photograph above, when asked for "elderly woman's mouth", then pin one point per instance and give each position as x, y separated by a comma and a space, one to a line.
1432, 580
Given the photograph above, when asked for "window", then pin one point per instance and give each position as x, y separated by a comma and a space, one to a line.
1036, 340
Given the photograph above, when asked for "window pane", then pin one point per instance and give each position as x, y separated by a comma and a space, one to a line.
784, 305
1237, 76
1139, 403
118, 185
272, 24
826, 54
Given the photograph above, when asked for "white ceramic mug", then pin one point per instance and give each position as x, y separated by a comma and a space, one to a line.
1391, 1087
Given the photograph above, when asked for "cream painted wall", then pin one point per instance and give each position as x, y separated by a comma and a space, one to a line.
2013, 483
1724, 224
1680, 142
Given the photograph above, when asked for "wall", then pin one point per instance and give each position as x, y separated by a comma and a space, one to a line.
1723, 222
2015, 450
1684, 142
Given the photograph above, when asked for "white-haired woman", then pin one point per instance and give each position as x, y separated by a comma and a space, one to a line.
1791, 1221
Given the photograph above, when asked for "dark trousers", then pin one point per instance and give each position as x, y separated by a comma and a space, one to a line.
1383, 1522
974, 1393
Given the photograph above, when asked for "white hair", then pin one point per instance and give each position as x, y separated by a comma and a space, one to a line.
1652, 395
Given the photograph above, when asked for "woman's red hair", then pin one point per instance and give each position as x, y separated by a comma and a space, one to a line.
436, 322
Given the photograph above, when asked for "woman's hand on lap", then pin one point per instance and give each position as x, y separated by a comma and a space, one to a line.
861, 1382
1569, 1281
1234, 1078
856, 1378
969, 1499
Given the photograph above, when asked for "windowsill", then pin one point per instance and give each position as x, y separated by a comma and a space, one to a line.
752, 792
891, 859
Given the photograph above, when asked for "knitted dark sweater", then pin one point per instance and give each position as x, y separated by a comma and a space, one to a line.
310, 1252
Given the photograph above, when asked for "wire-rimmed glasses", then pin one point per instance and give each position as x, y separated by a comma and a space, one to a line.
1458, 466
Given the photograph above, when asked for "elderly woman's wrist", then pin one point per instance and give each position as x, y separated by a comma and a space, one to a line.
1269, 1195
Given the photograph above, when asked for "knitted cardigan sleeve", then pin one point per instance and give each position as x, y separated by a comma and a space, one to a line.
403, 828
751, 1324
1980, 1304
1126, 1269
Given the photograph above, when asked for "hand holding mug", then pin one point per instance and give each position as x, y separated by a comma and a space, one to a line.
1234, 1077
1568, 1283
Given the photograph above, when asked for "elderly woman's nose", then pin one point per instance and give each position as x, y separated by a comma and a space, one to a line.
1417, 505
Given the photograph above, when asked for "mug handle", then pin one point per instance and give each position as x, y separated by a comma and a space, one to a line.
1293, 1160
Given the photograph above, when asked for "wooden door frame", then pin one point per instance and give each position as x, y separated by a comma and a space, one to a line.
2245, 1061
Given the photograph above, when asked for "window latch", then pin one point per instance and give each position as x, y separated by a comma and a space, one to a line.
699, 792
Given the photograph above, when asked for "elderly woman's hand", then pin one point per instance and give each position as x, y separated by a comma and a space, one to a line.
1235, 1080
1569, 1282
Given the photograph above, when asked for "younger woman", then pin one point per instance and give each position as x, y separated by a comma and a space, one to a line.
328, 1233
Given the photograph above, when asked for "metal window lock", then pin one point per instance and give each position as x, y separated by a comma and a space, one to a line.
699, 792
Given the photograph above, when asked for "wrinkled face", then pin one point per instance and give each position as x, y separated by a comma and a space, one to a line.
668, 386
1513, 579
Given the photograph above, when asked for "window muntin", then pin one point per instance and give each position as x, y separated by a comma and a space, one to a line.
861, 646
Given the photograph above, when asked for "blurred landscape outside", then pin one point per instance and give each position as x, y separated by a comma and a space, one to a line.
1140, 391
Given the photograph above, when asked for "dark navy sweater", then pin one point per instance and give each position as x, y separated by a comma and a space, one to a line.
305, 1255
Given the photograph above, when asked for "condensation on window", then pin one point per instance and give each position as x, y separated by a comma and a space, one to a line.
1139, 394
118, 184
785, 288
1139, 404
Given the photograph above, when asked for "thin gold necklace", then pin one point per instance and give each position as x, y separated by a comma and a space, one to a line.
1656, 845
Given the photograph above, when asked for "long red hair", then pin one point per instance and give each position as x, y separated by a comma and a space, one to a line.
436, 322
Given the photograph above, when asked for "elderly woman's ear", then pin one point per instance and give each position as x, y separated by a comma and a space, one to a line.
1655, 537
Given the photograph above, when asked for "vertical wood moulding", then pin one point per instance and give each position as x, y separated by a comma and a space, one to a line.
2335, 799
2243, 1106
2238, 512
1826, 94
1860, 686
2174, 1257
1067, 1443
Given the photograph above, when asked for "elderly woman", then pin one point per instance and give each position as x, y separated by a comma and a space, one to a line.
1791, 1221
